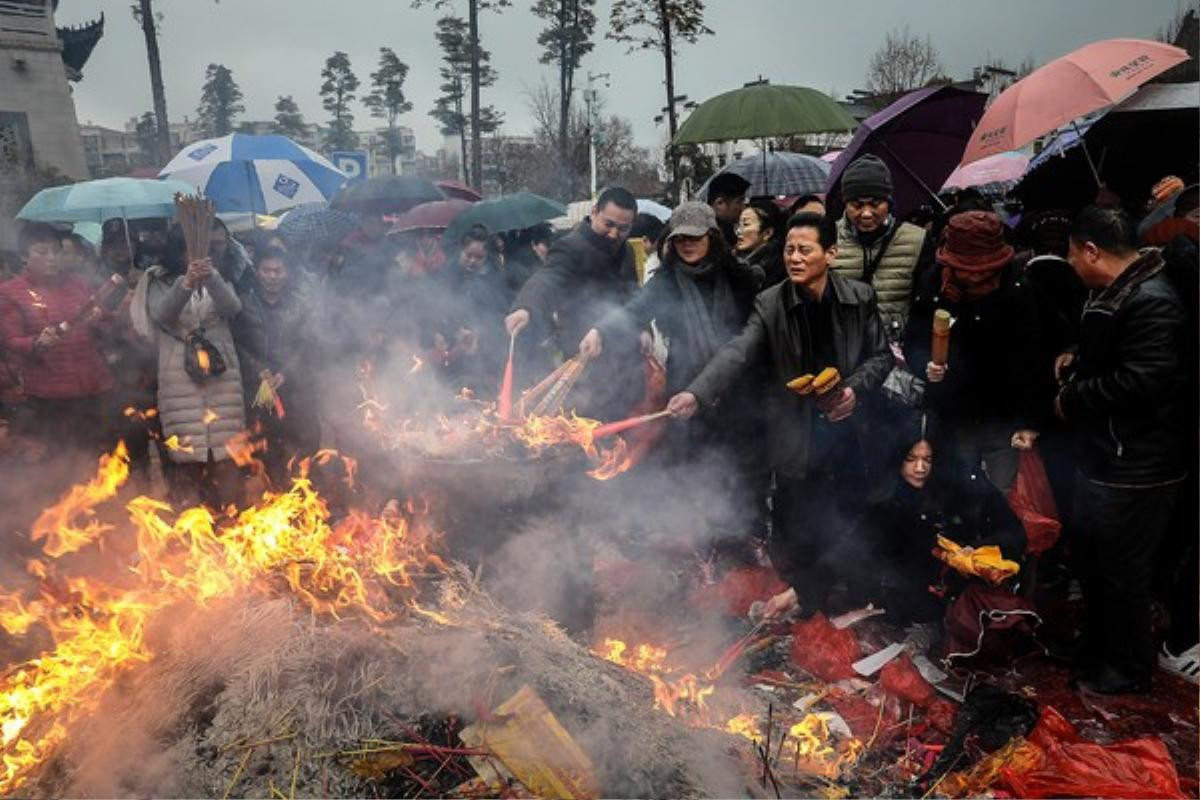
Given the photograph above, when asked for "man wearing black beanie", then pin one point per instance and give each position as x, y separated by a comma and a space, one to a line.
874, 247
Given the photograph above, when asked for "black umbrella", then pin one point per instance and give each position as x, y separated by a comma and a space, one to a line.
387, 194
1137, 142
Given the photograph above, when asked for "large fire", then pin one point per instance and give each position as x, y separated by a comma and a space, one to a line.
361, 565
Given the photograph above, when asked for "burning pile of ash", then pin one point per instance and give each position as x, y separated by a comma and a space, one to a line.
278, 651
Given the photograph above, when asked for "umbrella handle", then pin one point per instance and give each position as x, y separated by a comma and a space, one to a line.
1088, 155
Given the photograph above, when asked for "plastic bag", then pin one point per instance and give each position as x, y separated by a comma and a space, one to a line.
901, 679
1072, 767
985, 620
1033, 502
737, 589
823, 651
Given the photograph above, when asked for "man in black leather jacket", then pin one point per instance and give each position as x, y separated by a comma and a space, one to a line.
813, 320
1125, 402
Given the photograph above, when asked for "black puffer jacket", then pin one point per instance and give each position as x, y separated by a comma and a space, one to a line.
772, 338
1126, 398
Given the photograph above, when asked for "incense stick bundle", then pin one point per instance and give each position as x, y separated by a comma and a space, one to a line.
195, 216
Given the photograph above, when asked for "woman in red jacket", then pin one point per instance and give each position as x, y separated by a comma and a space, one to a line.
46, 325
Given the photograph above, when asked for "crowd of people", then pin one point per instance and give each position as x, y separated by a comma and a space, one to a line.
1073, 337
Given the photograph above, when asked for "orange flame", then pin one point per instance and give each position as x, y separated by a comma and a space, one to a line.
362, 565
55, 524
672, 691
210, 416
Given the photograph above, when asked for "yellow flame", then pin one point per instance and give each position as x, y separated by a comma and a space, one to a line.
673, 692
173, 442
57, 524
363, 564
210, 416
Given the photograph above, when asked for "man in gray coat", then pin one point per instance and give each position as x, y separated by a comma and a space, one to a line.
815, 319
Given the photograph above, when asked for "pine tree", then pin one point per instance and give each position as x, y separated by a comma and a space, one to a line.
387, 99
220, 101
337, 92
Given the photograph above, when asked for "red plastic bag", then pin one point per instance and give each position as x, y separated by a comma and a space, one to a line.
822, 650
737, 589
1072, 767
1033, 503
900, 678
987, 621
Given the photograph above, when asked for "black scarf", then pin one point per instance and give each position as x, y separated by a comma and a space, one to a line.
706, 328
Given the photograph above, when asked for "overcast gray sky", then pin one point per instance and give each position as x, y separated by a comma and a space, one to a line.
278, 47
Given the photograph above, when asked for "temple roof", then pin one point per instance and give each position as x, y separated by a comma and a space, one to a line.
78, 41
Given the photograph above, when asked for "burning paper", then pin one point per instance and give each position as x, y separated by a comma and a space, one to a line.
534, 746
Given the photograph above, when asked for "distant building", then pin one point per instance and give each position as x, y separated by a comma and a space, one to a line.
38, 129
109, 152
379, 159
311, 138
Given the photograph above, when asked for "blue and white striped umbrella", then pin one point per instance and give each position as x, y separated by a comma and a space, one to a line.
255, 174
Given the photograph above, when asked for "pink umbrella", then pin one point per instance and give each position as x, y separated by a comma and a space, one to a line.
430, 216
1094, 76
1000, 168
831, 156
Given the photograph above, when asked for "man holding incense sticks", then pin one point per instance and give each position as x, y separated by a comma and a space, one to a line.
588, 273
814, 321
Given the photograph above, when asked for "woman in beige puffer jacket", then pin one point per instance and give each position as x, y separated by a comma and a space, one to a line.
206, 414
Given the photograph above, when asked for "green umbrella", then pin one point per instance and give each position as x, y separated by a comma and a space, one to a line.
509, 213
757, 112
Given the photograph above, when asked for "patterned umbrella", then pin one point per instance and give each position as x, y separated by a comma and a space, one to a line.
255, 174
315, 222
778, 173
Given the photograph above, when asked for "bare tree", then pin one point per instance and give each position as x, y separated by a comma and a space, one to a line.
619, 161
902, 63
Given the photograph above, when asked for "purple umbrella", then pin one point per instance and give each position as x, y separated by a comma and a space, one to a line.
920, 137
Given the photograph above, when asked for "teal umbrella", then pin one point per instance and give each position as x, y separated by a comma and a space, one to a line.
762, 111
109, 198
512, 212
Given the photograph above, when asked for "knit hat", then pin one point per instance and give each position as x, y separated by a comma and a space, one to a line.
691, 219
974, 241
866, 177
